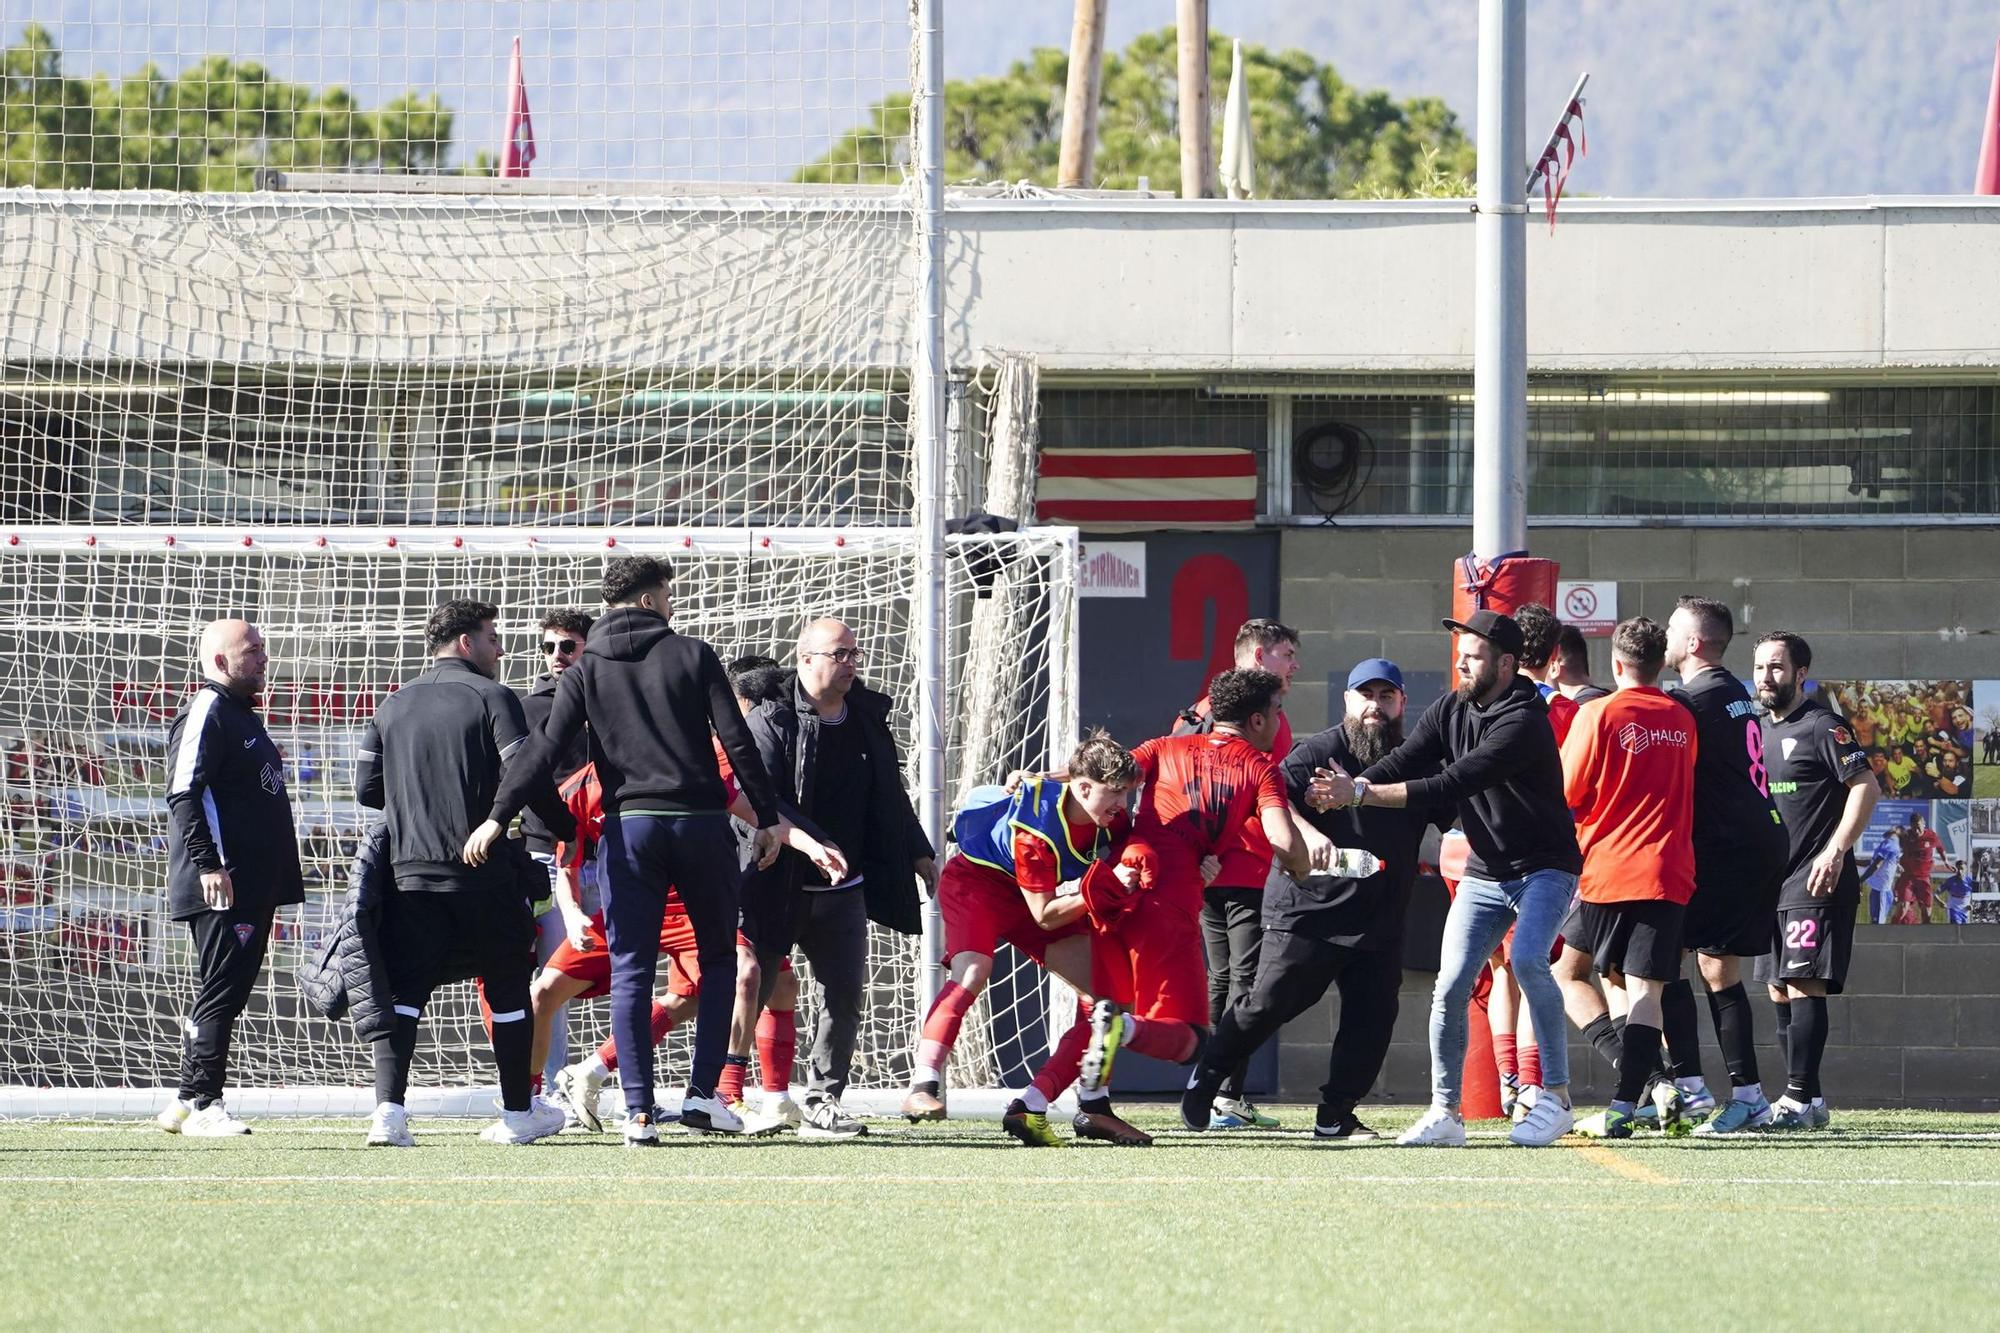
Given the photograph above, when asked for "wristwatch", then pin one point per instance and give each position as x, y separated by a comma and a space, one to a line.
1360, 790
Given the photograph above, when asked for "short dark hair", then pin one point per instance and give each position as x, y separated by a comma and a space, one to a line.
570, 620
1796, 648
1234, 696
459, 616
756, 678
630, 576
1101, 759
1717, 625
1539, 632
1265, 634
1641, 644
1573, 651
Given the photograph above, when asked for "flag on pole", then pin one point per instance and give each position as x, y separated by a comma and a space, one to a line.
1988, 179
517, 150
1167, 487
1239, 159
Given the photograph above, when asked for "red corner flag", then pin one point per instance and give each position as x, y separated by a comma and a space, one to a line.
1988, 180
518, 148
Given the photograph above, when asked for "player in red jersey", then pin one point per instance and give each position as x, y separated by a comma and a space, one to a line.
1921, 847
1017, 849
1148, 960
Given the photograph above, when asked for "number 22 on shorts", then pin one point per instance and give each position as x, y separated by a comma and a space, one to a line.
1802, 934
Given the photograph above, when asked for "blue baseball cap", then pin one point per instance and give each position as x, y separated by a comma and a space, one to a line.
1375, 668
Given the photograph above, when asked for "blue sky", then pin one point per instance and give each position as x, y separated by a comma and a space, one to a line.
1702, 97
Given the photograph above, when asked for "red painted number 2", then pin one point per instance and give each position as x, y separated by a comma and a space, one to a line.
1802, 934
1753, 737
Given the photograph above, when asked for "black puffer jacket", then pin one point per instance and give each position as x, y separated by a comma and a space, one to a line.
348, 976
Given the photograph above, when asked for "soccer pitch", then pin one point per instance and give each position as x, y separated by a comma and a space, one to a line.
1880, 1221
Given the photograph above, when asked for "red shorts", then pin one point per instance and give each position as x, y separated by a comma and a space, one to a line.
1916, 889
1151, 962
592, 964
981, 907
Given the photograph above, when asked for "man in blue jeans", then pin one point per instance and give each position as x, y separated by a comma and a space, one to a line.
1501, 765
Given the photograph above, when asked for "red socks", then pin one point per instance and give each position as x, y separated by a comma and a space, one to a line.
777, 1048
1175, 1042
1061, 1068
1504, 1052
941, 1027
729, 1088
663, 1023
1531, 1066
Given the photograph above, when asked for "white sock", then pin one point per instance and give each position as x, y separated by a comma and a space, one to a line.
1747, 1092
1819, 1102
595, 1068
1031, 1097
928, 1074
1691, 1084
772, 1096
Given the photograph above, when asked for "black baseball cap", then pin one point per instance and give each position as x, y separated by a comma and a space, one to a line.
1496, 629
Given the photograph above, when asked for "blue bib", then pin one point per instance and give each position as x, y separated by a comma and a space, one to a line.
985, 827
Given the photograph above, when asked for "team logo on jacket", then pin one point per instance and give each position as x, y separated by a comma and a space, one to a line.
1634, 738
244, 930
271, 780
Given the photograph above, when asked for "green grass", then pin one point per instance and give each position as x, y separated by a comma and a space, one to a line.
1886, 1220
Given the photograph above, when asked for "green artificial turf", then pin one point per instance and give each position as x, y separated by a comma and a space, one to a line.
1885, 1220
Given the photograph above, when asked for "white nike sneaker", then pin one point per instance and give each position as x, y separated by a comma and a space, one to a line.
1546, 1121
212, 1121
173, 1115
1439, 1128
389, 1127
709, 1115
539, 1121
579, 1087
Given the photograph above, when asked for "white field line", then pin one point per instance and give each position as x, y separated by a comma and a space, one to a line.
752, 1178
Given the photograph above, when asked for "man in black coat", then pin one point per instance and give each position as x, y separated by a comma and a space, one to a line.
832, 756
563, 633
232, 860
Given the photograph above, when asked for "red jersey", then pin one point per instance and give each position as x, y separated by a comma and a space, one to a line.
1199, 793
1562, 715
1920, 852
584, 796
1246, 859
1628, 774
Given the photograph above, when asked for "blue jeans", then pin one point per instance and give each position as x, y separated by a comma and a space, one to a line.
1479, 917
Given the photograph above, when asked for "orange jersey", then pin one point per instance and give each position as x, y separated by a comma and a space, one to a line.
1628, 775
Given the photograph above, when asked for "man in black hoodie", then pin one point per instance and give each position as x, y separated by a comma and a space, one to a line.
829, 749
1502, 767
651, 697
563, 633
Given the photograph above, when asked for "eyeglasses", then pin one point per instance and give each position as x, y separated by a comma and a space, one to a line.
563, 646
844, 656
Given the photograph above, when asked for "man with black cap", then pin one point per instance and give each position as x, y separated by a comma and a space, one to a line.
1503, 770
1344, 931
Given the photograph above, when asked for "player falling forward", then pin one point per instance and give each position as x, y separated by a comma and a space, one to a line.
1885, 867
1147, 954
1015, 852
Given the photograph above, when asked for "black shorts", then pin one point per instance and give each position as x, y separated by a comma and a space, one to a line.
1731, 918
1640, 938
1810, 944
431, 938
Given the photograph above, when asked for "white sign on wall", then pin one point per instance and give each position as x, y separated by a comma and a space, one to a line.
1113, 569
1591, 607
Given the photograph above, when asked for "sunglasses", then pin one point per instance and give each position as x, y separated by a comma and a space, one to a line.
563, 646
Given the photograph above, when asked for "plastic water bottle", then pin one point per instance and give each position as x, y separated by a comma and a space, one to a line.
1351, 863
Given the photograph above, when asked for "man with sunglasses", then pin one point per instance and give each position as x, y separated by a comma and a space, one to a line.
562, 636
830, 752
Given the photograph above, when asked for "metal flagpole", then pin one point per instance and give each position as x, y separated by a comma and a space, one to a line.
927, 394
1500, 335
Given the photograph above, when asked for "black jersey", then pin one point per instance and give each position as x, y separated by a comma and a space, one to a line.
1739, 839
228, 806
1810, 758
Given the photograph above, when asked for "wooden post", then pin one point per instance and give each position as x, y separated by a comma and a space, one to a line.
1197, 160
1080, 98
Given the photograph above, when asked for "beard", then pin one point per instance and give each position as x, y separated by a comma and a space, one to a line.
1370, 745
1477, 687
1778, 698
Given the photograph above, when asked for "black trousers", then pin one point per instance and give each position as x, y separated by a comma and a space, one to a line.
1232, 931
1294, 973
433, 937
229, 953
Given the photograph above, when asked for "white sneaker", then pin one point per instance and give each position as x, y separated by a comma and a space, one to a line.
709, 1115
1438, 1128
640, 1132
1547, 1121
775, 1115
579, 1087
785, 1109
173, 1115
389, 1127
212, 1121
1525, 1103
539, 1121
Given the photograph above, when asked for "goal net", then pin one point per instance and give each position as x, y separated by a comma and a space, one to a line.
330, 404
95, 976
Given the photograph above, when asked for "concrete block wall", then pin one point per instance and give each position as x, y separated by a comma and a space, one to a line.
1920, 1025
